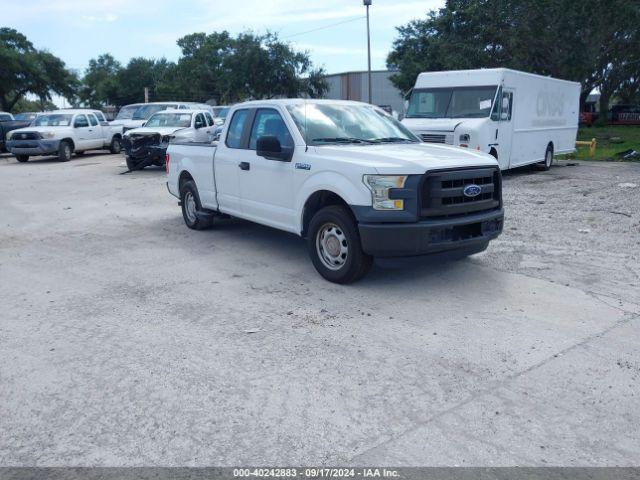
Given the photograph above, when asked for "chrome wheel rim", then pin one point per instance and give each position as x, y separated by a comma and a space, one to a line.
116, 146
332, 246
190, 207
67, 151
549, 158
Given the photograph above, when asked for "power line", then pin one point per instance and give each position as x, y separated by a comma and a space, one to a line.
324, 27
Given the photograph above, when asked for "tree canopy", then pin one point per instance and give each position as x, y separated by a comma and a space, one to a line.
594, 42
26, 70
214, 66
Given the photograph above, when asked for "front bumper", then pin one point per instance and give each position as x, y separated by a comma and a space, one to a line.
461, 234
33, 147
145, 151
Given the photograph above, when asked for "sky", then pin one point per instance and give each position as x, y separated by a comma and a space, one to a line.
78, 30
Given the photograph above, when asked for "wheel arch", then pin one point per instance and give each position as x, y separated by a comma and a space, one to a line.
317, 201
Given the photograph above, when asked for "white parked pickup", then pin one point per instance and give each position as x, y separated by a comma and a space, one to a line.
63, 132
147, 145
345, 175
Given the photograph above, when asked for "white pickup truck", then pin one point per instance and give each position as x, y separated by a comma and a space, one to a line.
345, 175
63, 132
147, 145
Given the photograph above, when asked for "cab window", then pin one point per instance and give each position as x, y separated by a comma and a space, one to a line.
81, 121
92, 120
209, 118
199, 122
236, 127
269, 122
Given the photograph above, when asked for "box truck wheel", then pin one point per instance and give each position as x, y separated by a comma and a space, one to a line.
548, 159
192, 212
334, 246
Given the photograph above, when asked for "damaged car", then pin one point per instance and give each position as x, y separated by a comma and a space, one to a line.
147, 145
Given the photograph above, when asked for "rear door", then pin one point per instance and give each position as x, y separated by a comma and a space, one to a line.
95, 134
266, 187
228, 162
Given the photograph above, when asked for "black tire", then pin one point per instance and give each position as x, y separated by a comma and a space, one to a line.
79, 154
65, 150
116, 145
22, 158
131, 164
191, 206
548, 159
336, 225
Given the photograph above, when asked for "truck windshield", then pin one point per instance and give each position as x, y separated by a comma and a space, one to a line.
220, 112
324, 123
145, 111
457, 102
55, 120
25, 116
170, 120
126, 112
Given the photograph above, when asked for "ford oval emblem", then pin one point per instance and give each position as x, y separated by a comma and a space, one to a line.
471, 190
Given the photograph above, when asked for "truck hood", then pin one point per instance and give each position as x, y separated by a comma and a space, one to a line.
408, 158
441, 124
42, 129
152, 130
127, 123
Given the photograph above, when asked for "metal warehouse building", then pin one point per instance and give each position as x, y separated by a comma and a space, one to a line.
355, 86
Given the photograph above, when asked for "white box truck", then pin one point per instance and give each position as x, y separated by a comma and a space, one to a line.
518, 117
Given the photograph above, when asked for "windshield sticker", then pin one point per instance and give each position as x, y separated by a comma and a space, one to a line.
485, 104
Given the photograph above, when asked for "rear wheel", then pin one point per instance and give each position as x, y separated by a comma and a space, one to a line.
191, 207
64, 151
22, 158
548, 159
334, 246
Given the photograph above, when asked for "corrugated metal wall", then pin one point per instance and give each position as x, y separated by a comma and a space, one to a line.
354, 86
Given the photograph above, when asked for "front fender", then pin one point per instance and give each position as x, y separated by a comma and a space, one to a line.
352, 190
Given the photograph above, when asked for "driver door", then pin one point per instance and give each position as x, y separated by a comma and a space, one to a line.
503, 114
83, 135
266, 186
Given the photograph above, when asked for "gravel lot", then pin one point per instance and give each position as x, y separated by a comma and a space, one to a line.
127, 339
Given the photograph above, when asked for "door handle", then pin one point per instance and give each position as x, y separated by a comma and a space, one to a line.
244, 165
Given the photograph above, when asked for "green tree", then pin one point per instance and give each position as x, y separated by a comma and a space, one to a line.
100, 82
229, 69
27, 70
25, 105
141, 73
578, 41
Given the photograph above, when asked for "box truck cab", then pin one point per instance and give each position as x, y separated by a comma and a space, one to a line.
519, 118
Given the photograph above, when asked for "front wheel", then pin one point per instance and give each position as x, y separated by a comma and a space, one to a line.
64, 151
22, 158
191, 207
334, 246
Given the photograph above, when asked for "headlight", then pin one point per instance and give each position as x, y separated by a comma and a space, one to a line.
380, 186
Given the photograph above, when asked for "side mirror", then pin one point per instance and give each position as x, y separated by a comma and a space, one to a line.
77, 124
504, 116
505, 103
268, 146
406, 105
199, 125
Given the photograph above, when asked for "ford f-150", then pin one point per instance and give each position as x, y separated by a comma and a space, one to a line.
345, 175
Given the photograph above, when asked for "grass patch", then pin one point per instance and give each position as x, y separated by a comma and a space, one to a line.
610, 140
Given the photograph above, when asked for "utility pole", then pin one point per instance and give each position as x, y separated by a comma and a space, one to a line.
367, 3
146, 94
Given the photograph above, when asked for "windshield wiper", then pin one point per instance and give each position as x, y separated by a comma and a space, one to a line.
393, 140
342, 140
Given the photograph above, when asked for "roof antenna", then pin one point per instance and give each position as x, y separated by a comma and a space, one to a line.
306, 141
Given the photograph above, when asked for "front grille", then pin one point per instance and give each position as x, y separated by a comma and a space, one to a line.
25, 136
442, 192
437, 138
